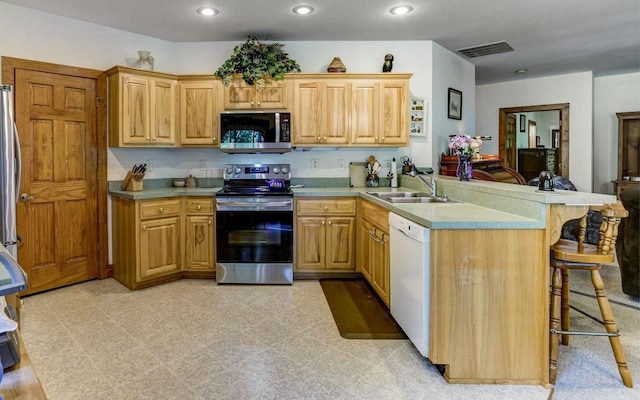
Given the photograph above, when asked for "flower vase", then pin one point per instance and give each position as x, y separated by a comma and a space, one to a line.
372, 180
464, 171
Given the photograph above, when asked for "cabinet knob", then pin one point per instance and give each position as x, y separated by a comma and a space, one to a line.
161, 209
326, 208
329, 222
252, 103
198, 207
318, 138
325, 138
209, 221
322, 222
144, 227
382, 138
258, 104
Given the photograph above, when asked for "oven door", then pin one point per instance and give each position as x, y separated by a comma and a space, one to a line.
254, 246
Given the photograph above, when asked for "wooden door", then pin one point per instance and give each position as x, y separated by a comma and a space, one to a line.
163, 112
340, 246
311, 244
336, 112
308, 112
510, 142
365, 248
134, 112
56, 115
380, 266
198, 113
159, 247
394, 117
365, 116
199, 243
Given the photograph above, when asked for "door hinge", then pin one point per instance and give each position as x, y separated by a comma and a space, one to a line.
98, 101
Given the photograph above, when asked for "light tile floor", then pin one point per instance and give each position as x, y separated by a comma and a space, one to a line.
194, 339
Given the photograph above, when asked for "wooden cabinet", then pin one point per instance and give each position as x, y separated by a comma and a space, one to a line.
354, 109
533, 161
142, 108
628, 153
241, 96
321, 112
199, 234
374, 256
325, 234
146, 241
200, 104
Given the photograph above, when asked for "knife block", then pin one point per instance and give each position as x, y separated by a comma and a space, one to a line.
132, 182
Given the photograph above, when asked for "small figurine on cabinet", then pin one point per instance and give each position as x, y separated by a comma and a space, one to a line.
388, 63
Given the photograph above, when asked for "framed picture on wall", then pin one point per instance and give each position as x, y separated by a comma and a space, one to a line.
523, 123
418, 116
455, 104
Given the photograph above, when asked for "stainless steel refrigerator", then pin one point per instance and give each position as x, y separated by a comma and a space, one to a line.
10, 171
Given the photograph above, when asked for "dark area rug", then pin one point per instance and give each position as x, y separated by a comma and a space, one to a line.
359, 313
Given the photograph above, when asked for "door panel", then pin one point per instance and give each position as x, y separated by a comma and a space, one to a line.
55, 115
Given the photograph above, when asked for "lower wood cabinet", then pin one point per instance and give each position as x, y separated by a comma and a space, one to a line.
325, 235
374, 258
158, 240
199, 240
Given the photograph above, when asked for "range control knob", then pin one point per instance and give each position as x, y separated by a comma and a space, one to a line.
237, 170
285, 170
276, 170
229, 170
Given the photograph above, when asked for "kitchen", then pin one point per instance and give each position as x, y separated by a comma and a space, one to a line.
169, 163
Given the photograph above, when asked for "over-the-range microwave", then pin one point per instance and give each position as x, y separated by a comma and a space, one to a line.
255, 132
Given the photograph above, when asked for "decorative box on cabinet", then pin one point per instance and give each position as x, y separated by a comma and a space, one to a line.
142, 108
325, 234
374, 249
533, 161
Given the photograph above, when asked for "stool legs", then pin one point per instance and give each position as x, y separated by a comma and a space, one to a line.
554, 323
564, 315
610, 325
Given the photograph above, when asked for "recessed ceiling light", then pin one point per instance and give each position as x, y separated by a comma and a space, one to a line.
401, 10
303, 10
207, 11
521, 71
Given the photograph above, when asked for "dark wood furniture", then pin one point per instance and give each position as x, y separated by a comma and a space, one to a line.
628, 151
569, 255
533, 161
489, 168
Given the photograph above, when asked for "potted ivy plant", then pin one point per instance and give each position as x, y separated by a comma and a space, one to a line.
256, 60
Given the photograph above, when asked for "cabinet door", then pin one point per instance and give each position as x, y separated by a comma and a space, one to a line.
307, 112
134, 110
336, 113
394, 117
271, 96
380, 263
199, 243
159, 248
198, 113
239, 96
310, 243
365, 112
163, 112
340, 242
365, 249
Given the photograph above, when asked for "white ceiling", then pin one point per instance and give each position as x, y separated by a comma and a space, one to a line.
549, 37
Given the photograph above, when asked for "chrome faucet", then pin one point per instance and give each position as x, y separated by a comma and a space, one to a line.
432, 186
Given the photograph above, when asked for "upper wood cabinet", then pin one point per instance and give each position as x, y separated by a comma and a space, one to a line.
142, 108
200, 102
241, 96
350, 109
321, 112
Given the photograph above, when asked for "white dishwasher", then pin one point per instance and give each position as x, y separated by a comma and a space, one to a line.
410, 279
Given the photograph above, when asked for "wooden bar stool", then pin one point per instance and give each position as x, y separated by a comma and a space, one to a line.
567, 255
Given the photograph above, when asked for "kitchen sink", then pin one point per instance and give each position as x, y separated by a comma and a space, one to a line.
410, 197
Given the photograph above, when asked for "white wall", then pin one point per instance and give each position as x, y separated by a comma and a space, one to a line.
451, 71
45, 37
575, 89
612, 94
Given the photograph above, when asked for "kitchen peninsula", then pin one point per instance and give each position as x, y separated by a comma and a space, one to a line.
489, 269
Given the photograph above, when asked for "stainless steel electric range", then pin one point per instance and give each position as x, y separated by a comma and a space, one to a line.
254, 225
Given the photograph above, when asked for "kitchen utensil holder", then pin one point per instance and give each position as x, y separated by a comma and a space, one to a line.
133, 182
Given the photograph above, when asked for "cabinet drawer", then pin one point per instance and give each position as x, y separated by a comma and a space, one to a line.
377, 215
326, 207
199, 206
159, 208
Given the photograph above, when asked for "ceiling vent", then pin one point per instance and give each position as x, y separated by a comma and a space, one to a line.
485, 49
